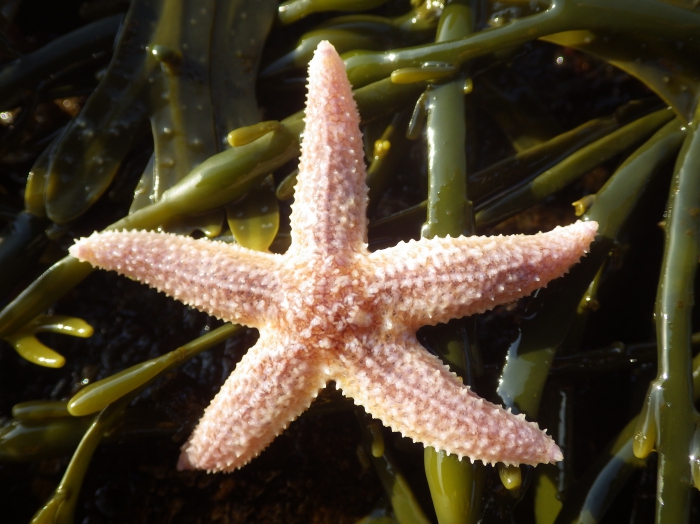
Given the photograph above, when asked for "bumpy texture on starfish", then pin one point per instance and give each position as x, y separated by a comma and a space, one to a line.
329, 309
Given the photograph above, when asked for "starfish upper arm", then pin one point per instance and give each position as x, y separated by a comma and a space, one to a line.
435, 280
225, 280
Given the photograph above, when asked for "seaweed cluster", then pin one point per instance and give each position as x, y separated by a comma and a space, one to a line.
479, 118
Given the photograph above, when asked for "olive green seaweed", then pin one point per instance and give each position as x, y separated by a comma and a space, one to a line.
524, 375
593, 493
572, 167
254, 220
160, 84
45, 428
536, 160
387, 152
60, 508
675, 78
51, 429
98, 395
89, 153
30, 348
648, 17
350, 32
517, 177
22, 75
40, 430
427, 72
525, 372
40, 409
296, 9
184, 75
406, 509
455, 485
668, 422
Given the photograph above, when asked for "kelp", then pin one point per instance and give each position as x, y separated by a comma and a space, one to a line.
449, 213
176, 107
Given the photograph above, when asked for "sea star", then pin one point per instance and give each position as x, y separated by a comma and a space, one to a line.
328, 309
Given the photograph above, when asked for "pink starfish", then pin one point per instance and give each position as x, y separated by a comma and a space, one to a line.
329, 309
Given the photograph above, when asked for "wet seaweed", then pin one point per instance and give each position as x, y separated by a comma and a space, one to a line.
479, 118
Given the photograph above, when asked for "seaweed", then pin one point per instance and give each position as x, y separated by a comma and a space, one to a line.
479, 118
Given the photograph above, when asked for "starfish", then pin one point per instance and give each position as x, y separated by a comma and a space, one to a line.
329, 310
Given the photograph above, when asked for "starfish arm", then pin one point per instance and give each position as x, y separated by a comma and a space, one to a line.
412, 392
271, 386
225, 280
432, 281
330, 198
